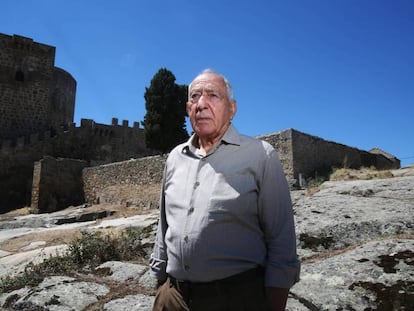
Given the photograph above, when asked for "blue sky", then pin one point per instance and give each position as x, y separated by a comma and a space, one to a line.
338, 69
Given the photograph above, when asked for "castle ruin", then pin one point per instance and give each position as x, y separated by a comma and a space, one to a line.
37, 102
49, 163
35, 95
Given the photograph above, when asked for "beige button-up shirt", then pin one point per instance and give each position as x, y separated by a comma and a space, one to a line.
225, 213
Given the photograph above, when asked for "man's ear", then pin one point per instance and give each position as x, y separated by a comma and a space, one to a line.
187, 108
233, 105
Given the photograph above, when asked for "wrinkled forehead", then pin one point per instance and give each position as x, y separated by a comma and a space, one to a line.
208, 81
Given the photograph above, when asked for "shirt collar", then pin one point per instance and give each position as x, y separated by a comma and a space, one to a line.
231, 137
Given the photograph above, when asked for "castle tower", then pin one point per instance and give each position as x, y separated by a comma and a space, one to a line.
34, 95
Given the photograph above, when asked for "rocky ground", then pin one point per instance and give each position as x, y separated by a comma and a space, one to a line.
355, 239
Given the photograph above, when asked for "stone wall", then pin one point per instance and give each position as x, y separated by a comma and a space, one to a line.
34, 95
95, 143
62, 107
57, 184
131, 183
304, 156
37, 102
137, 182
313, 155
282, 142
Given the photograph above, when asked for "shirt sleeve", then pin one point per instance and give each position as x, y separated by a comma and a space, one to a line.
158, 259
276, 217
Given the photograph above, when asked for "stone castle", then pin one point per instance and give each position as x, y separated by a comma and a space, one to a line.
37, 102
46, 161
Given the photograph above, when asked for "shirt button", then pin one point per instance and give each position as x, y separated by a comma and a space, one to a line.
196, 184
186, 238
186, 267
191, 210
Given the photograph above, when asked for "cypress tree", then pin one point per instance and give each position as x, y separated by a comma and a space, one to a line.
164, 122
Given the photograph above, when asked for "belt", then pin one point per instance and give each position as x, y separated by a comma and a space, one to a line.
187, 286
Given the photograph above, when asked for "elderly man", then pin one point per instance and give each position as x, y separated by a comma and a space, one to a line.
226, 237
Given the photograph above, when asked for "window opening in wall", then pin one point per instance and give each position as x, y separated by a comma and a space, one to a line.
19, 76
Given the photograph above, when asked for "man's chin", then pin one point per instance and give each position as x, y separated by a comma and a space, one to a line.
204, 126
203, 131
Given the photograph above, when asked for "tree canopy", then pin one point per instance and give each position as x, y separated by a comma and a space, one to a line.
164, 122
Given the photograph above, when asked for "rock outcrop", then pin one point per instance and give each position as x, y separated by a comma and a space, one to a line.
355, 239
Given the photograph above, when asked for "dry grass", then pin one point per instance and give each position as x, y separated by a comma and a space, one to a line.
52, 237
349, 174
312, 190
17, 212
363, 173
86, 252
59, 235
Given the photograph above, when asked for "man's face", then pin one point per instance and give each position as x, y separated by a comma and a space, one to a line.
209, 109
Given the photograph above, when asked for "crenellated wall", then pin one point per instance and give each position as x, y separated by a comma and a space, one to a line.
37, 102
92, 142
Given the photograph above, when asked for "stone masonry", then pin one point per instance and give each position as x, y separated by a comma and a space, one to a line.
92, 142
37, 102
57, 184
135, 182
35, 95
307, 156
300, 154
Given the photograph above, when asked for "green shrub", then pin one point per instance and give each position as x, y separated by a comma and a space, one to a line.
90, 250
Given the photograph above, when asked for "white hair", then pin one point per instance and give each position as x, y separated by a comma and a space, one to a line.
229, 88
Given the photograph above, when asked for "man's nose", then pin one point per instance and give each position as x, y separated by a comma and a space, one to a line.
202, 101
